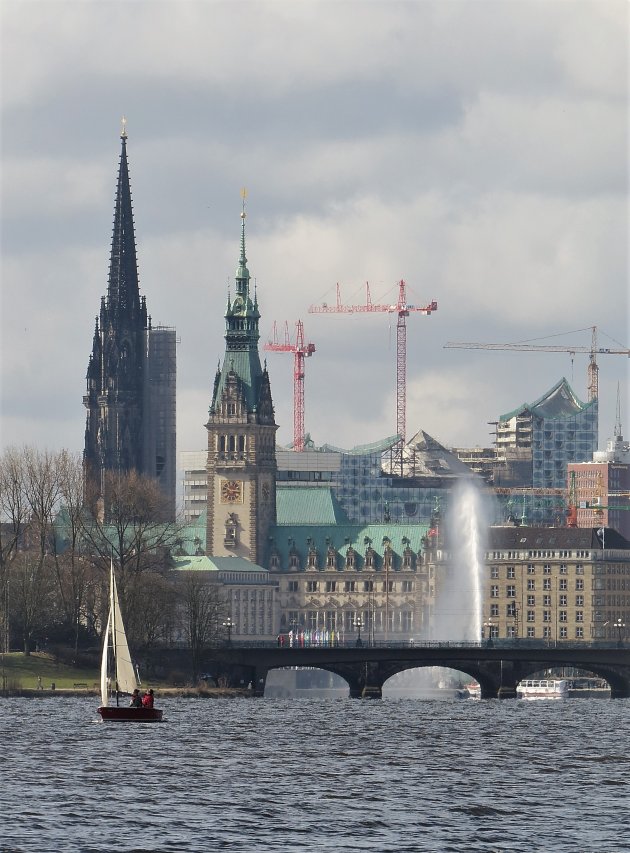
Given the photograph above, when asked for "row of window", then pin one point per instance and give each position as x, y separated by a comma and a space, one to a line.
547, 632
547, 615
350, 621
519, 555
510, 571
351, 586
563, 601
510, 589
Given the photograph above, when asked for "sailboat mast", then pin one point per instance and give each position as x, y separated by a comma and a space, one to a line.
112, 610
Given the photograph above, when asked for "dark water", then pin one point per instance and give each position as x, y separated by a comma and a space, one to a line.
327, 775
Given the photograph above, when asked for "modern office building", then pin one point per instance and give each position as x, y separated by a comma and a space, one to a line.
600, 489
551, 432
534, 444
131, 374
194, 483
366, 493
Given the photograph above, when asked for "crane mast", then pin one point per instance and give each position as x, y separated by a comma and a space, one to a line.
402, 309
300, 351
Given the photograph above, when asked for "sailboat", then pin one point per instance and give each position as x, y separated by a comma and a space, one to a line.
117, 669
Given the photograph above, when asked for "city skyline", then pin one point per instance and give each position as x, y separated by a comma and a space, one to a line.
489, 173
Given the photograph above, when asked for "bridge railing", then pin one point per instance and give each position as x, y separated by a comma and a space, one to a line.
427, 644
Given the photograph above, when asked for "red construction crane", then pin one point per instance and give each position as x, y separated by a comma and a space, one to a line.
402, 309
300, 351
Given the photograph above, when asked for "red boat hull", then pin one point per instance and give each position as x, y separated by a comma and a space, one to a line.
113, 714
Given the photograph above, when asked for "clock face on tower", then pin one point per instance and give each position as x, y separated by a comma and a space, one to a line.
231, 491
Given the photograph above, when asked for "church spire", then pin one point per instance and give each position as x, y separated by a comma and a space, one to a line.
116, 370
241, 335
242, 273
122, 289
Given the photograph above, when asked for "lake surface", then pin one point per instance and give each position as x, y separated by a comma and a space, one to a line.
395, 776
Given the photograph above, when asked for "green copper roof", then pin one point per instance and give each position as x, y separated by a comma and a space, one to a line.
559, 402
362, 449
194, 564
217, 564
342, 536
241, 338
309, 505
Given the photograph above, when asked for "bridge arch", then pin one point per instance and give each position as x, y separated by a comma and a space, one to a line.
284, 682
498, 668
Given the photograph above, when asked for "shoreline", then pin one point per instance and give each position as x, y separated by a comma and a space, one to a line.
165, 693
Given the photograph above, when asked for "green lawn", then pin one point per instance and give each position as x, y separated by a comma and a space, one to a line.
22, 672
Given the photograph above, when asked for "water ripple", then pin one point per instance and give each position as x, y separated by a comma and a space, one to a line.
397, 776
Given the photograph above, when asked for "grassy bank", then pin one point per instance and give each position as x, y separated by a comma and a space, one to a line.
39, 671
29, 672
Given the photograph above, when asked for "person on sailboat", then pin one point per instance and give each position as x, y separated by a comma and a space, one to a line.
136, 699
147, 699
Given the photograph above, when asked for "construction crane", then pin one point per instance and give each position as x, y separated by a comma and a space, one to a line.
300, 351
572, 508
402, 309
593, 351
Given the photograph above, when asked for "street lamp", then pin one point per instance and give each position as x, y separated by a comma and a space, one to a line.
489, 626
619, 624
228, 626
358, 624
516, 622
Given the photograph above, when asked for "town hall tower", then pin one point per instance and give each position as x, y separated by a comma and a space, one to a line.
241, 434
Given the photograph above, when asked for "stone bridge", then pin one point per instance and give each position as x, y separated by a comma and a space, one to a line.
498, 668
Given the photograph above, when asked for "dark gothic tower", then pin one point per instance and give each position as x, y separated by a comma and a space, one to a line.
241, 434
121, 432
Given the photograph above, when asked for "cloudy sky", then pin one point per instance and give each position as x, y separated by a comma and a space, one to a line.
478, 150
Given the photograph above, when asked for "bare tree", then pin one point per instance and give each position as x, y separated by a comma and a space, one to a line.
150, 608
31, 584
30, 499
74, 572
14, 516
203, 612
42, 486
14, 508
127, 527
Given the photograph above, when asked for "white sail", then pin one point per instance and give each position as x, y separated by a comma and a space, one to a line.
114, 638
104, 675
125, 673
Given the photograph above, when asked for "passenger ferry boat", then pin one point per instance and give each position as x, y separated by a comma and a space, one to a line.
473, 690
543, 688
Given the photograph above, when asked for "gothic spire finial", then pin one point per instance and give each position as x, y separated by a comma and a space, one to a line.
122, 290
242, 273
123, 131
